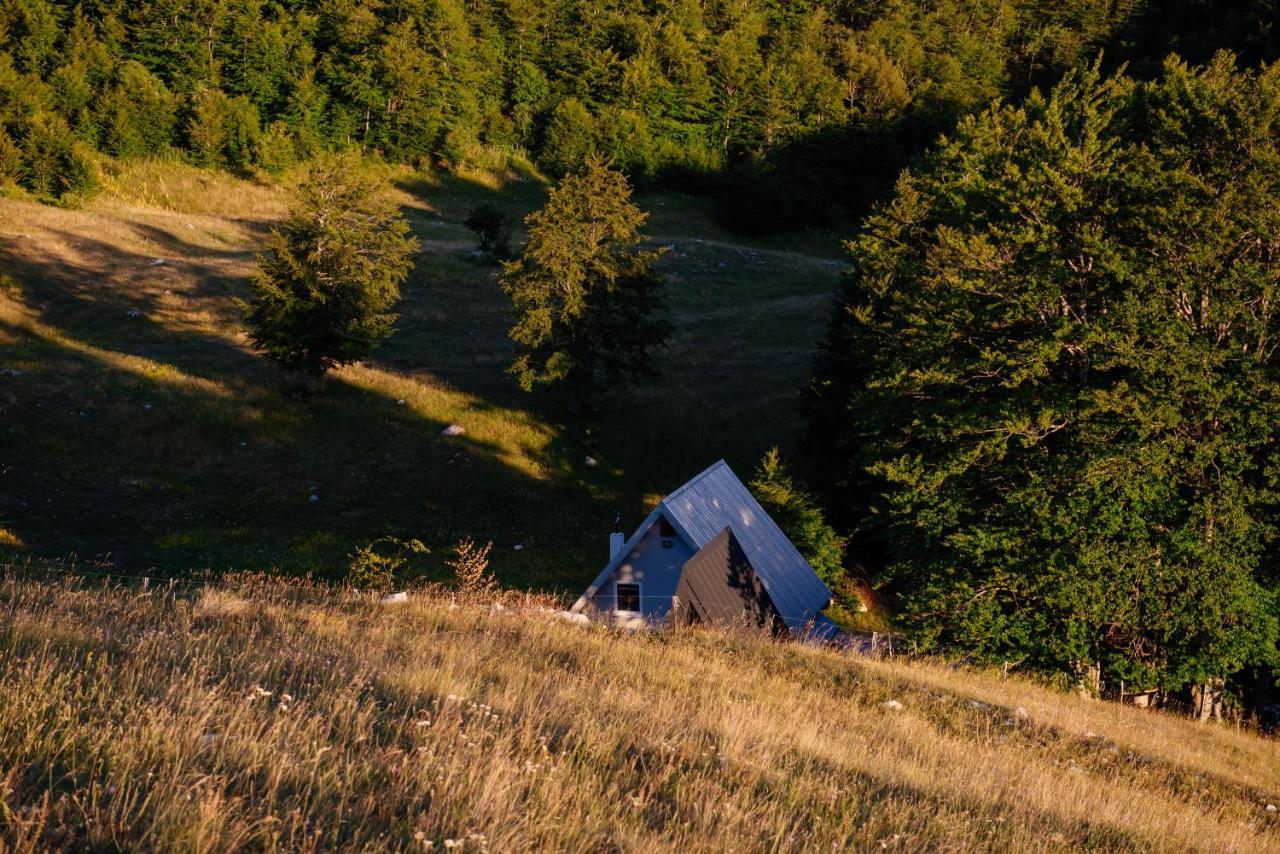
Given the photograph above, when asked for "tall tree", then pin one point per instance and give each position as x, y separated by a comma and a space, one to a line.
587, 299
1055, 360
324, 291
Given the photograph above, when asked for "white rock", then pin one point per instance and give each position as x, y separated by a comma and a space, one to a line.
1271, 807
133, 312
147, 407
891, 705
395, 598
453, 430
1022, 712
572, 617
400, 402
158, 262
314, 498
591, 461
518, 547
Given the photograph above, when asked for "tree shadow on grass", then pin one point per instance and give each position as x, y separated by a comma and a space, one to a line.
166, 442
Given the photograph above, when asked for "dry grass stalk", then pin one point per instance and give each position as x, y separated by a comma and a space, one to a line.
145, 722
470, 565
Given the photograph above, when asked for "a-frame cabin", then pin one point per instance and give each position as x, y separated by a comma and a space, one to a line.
709, 552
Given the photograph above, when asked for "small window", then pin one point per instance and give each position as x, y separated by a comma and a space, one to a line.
628, 597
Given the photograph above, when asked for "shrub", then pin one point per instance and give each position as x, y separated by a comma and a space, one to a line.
470, 565
492, 228
380, 565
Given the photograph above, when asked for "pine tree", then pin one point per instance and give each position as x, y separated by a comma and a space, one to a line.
588, 302
798, 515
324, 291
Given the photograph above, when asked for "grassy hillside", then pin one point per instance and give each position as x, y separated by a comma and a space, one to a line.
268, 715
136, 423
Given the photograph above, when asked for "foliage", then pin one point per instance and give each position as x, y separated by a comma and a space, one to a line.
380, 565
1051, 381
492, 228
671, 91
470, 565
323, 293
587, 300
799, 516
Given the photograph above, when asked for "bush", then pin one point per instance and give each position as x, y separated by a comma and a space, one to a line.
492, 228
380, 566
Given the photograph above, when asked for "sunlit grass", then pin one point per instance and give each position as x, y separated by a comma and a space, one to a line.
260, 715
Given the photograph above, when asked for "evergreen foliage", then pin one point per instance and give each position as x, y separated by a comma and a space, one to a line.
324, 291
1051, 385
767, 102
799, 516
588, 303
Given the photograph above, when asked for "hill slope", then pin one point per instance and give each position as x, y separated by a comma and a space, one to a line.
277, 716
139, 423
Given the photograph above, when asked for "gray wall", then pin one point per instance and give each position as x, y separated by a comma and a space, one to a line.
655, 569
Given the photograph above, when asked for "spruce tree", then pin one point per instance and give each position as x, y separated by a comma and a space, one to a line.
588, 302
324, 290
799, 516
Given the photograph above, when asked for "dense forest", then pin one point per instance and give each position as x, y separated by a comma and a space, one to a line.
796, 112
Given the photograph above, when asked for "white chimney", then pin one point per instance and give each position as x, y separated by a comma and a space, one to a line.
616, 541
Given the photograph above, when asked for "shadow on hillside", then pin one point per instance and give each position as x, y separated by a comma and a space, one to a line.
166, 444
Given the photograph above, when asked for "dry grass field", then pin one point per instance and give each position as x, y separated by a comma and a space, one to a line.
263, 715
140, 429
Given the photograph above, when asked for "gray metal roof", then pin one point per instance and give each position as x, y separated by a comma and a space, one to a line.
715, 500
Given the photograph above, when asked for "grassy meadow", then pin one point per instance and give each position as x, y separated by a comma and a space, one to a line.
268, 715
138, 427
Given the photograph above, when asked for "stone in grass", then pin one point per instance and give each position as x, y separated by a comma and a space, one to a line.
395, 598
891, 705
518, 547
314, 499
453, 430
591, 461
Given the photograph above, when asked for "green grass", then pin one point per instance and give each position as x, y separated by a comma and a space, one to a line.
140, 425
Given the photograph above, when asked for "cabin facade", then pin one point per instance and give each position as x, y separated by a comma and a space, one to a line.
709, 553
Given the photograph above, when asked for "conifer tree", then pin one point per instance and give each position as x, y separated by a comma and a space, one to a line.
587, 300
799, 516
324, 291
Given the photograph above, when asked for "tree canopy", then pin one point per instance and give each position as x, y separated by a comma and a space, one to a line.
1051, 386
794, 110
588, 303
323, 292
